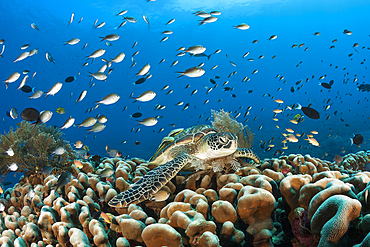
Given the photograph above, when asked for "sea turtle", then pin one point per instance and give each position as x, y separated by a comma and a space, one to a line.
199, 145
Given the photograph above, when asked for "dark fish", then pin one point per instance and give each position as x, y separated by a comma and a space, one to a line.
7, 183
233, 95
292, 89
70, 79
357, 139
96, 158
30, 114
212, 81
201, 55
137, 143
136, 115
309, 112
227, 88
63, 179
46, 170
268, 149
217, 77
325, 85
26, 89
17, 193
250, 91
262, 145
139, 81
364, 88
278, 152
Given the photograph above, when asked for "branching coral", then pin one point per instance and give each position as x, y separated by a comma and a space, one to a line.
33, 147
223, 122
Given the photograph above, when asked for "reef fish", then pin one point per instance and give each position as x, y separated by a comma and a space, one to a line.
106, 172
70, 79
192, 72
107, 100
60, 110
63, 179
26, 89
113, 153
59, 151
146, 96
364, 88
46, 170
160, 196
136, 115
150, 121
309, 112
30, 114
357, 139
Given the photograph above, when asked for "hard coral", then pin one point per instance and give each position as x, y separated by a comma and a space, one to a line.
332, 218
255, 207
33, 147
158, 235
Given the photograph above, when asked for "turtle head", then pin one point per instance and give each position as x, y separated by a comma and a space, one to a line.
217, 145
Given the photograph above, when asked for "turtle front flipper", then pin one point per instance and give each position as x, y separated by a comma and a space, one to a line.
247, 153
151, 183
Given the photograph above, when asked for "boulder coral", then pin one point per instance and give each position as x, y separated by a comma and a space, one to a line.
255, 207
158, 235
290, 200
331, 220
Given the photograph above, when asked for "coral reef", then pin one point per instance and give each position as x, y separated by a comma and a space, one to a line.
223, 122
33, 146
279, 203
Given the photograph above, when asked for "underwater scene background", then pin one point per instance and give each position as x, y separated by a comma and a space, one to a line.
293, 72
294, 22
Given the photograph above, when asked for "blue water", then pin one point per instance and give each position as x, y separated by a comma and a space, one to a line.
294, 22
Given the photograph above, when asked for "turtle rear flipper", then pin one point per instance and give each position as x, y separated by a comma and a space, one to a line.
151, 183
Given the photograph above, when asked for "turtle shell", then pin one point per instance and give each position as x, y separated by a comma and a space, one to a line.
179, 139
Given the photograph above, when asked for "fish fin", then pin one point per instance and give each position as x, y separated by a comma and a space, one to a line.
351, 141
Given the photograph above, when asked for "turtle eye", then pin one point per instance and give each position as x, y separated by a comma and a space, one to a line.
222, 139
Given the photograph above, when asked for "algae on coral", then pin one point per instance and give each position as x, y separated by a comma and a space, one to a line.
223, 122
33, 147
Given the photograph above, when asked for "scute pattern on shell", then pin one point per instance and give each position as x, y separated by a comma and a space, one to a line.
190, 135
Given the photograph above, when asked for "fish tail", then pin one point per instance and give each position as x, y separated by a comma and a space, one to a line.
209, 56
182, 74
299, 107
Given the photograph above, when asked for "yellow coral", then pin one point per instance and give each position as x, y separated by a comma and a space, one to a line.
225, 123
33, 147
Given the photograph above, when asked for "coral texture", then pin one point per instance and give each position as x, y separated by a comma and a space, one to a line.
33, 146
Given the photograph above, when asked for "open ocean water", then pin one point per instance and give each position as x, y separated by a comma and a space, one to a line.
291, 45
